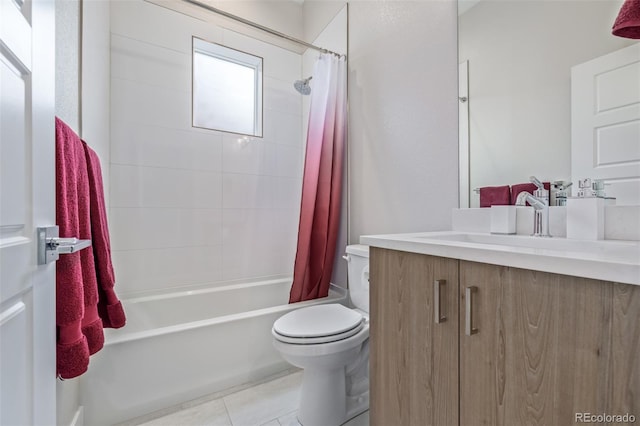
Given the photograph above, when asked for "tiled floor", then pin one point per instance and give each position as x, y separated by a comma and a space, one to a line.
273, 403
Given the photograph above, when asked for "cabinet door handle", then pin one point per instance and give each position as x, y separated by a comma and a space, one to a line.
469, 329
436, 300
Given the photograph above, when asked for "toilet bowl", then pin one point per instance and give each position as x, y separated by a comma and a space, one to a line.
331, 344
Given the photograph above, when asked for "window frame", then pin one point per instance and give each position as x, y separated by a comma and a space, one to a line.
258, 68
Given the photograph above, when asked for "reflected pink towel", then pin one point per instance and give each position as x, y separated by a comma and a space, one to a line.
528, 187
495, 196
627, 23
109, 307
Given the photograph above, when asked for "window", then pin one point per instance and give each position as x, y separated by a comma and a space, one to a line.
227, 89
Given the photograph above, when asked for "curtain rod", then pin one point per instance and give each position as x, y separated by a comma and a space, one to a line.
260, 27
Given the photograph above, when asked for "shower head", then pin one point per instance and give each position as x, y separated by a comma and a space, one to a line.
302, 86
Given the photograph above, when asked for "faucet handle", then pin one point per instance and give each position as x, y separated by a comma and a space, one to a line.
534, 180
541, 192
584, 183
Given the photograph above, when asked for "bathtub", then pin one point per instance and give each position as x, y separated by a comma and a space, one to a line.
183, 345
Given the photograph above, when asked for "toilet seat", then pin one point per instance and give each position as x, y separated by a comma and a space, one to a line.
318, 324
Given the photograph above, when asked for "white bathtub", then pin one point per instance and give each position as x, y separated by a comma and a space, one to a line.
184, 345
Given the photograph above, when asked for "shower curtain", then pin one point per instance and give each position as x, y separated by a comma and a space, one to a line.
322, 181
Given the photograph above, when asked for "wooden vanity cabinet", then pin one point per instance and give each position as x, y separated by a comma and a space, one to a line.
540, 347
547, 347
413, 361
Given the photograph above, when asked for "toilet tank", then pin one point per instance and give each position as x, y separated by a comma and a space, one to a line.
358, 271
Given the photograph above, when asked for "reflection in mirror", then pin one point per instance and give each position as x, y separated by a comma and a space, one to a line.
520, 55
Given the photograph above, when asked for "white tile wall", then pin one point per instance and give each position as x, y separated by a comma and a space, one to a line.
156, 25
288, 192
136, 60
140, 186
258, 242
291, 134
279, 96
248, 191
149, 269
253, 156
193, 206
150, 228
138, 144
142, 103
289, 161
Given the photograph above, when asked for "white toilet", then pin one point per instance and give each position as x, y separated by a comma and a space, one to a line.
331, 343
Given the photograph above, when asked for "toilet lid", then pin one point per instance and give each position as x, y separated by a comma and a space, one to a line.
318, 321
321, 339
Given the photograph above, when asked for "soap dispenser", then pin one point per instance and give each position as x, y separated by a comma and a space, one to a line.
585, 213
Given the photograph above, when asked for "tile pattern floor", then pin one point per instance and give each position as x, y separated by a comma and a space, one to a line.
273, 403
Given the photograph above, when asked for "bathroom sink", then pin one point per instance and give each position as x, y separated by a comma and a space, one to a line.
521, 241
609, 260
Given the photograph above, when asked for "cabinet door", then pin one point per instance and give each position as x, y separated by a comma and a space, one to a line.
624, 362
414, 360
546, 348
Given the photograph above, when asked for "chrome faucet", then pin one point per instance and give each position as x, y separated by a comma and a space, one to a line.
540, 202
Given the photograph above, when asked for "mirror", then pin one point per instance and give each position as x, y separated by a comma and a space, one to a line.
518, 56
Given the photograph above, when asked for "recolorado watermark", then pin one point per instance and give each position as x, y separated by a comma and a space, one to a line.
605, 418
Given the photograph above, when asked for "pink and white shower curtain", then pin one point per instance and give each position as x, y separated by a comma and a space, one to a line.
322, 180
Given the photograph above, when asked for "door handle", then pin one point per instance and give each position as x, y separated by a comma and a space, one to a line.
469, 329
51, 246
437, 302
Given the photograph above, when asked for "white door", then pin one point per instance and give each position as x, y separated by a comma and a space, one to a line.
27, 201
605, 123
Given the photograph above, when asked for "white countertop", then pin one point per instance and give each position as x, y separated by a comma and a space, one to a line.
610, 260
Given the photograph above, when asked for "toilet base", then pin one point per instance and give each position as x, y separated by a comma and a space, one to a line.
323, 399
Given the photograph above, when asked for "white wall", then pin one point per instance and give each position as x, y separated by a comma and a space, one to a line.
403, 128
520, 55
317, 16
192, 206
68, 62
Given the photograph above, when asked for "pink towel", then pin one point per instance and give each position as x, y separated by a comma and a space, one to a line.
109, 307
78, 323
528, 187
495, 196
627, 23
72, 196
